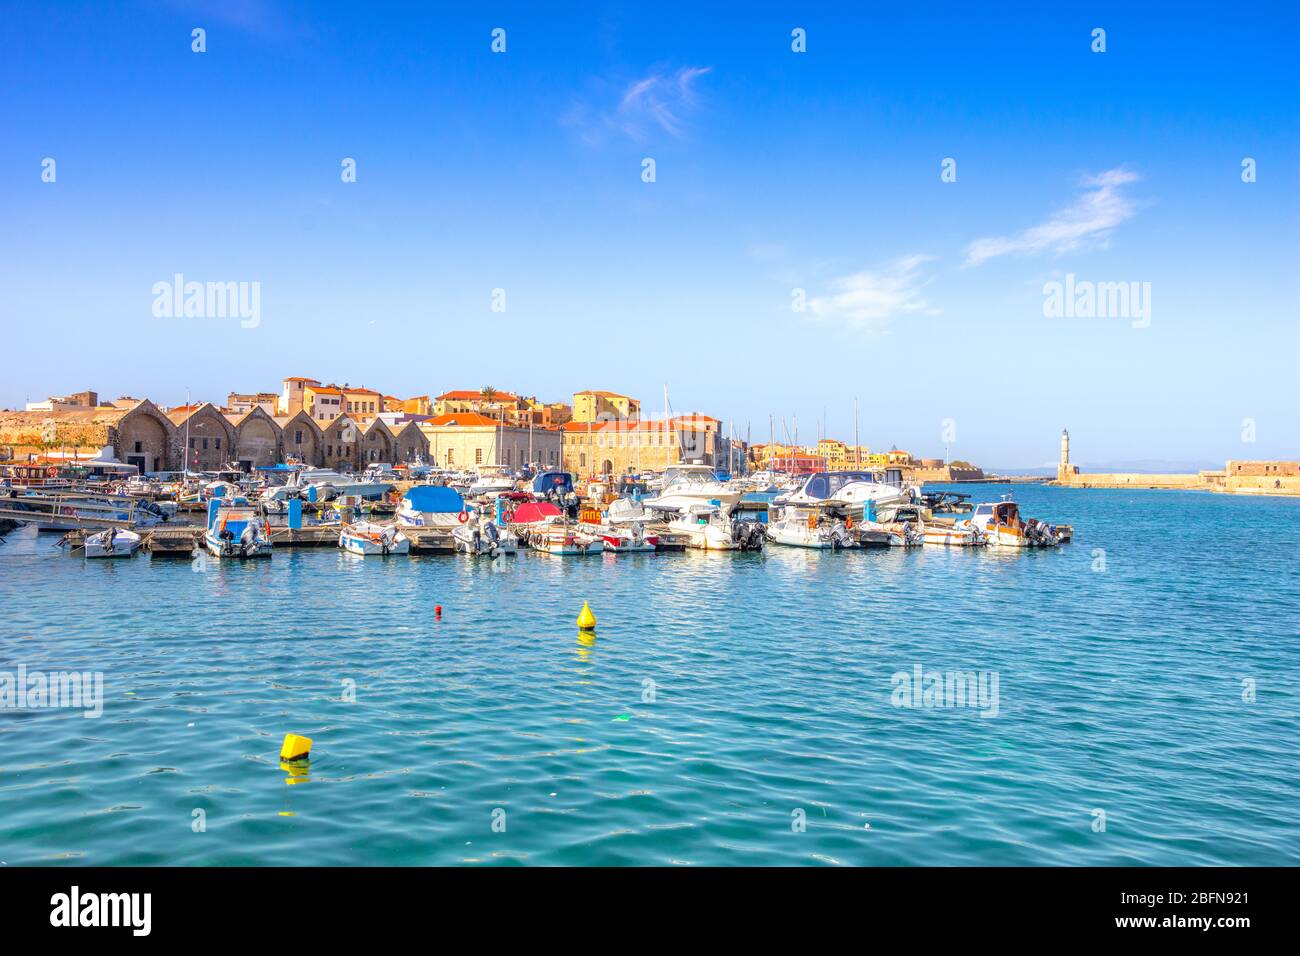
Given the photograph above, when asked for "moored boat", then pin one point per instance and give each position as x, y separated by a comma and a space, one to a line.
235, 530
112, 543
809, 527
480, 535
1002, 524
368, 538
564, 538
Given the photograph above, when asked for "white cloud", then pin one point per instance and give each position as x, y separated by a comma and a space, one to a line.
869, 300
661, 101
1086, 223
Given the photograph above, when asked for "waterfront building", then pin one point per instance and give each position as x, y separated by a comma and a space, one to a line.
257, 439
63, 403
293, 394
463, 440
207, 438
137, 434
237, 402
595, 406
619, 447
342, 438
301, 438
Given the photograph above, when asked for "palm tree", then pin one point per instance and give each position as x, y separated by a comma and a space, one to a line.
488, 393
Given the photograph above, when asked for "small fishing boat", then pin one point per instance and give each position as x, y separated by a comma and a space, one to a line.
564, 538
625, 511
368, 538
1003, 525
482, 536
626, 540
809, 527
707, 527
432, 507
235, 530
912, 519
112, 543
534, 516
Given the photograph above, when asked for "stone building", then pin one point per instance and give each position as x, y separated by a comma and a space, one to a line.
257, 439
410, 443
620, 447
301, 438
376, 444
207, 438
342, 438
139, 435
597, 406
463, 440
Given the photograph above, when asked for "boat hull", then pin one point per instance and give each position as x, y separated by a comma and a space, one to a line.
219, 548
125, 544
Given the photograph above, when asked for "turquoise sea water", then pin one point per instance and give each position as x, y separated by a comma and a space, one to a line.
1119, 690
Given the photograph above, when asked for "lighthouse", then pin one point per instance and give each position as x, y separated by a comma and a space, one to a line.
1065, 470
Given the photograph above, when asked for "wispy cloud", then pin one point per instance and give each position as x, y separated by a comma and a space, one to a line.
663, 101
1085, 223
868, 301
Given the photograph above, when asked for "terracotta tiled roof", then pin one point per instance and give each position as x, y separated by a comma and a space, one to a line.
469, 394
464, 420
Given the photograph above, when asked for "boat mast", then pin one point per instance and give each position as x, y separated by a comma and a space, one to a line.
857, 448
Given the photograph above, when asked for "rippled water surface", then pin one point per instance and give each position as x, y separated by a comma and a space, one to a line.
724, 699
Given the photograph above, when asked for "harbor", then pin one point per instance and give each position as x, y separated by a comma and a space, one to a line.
718, 692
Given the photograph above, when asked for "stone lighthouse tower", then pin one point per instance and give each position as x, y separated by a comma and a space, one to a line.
1064, 471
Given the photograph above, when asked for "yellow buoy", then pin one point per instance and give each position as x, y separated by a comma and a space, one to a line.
586, 619
295, 747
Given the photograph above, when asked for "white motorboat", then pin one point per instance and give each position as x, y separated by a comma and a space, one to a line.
564, 538
628, 539
625, 511
687, 485
492, 480
1003, 526
368, 538
851, 488
112, 543
432, 508
235, 530
480, 535
708, 528
322, 484
911, 520
809, 527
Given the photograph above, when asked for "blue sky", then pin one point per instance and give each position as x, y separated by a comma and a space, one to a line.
775, 171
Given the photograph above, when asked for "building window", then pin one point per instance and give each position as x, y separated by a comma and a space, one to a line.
582, 460
478, 456
218, 442
138, 446
297, 436
205, 444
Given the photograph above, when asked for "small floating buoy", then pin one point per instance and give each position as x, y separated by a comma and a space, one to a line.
295, 747
437, 612
586, 619
623, 718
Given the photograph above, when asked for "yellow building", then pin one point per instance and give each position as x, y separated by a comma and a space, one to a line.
324, 403
463, 440
621, 447
594, 406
